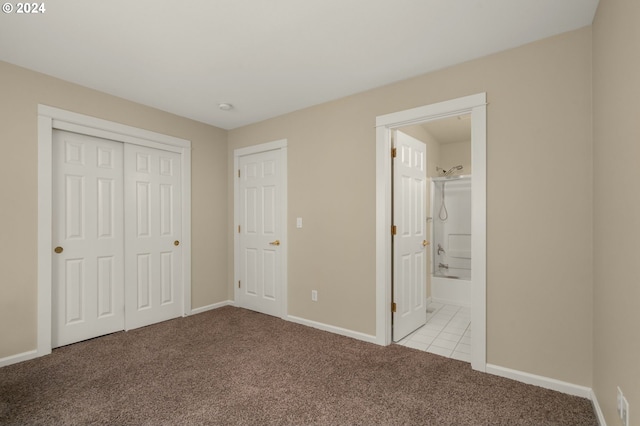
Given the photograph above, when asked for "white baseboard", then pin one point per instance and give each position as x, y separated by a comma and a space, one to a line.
14, 359
333, 329
25, 356
598, 410
212, 307
543, 382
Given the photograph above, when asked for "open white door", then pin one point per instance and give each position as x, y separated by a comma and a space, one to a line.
410, 233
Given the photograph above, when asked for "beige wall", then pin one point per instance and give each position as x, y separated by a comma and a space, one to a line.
616, 136
539, 280
21, 92
540, 300
458, 153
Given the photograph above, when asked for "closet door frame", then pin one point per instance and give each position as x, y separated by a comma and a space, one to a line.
50, 118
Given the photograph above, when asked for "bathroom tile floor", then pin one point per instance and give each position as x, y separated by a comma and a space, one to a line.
447, 332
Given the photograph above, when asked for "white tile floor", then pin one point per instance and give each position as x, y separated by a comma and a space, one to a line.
447, 332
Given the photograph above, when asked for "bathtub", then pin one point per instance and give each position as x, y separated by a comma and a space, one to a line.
454, 288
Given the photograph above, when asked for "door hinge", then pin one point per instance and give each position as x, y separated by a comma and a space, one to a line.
393, 307
394, 152
394, 230
238, 283
238, 172
238, 229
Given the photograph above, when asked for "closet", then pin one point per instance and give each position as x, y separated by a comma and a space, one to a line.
116, 231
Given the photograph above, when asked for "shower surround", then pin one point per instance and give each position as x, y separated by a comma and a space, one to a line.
451, 239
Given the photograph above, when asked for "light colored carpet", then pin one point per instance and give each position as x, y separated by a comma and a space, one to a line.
233, 366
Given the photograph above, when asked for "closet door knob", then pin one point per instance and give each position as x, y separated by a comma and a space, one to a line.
425, 243
58, 249
176, 243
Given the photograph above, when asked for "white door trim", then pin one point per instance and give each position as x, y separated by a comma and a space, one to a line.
476, 106
50, 118
237, 153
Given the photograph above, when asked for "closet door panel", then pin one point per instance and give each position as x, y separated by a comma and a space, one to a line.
88, 244
153, 225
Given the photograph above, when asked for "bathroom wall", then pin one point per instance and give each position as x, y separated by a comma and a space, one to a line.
457, 153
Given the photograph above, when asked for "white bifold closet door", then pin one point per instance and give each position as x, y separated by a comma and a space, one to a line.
117, 226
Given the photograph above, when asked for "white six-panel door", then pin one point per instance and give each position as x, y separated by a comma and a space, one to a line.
88, 275
409, 242
152, 235
261, 241
117, 220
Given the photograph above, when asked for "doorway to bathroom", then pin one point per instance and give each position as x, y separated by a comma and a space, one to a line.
446, 286
474, 107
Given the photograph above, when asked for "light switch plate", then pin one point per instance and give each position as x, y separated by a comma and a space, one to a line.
299, 222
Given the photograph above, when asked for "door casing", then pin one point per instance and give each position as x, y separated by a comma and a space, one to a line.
50, 118
475, 105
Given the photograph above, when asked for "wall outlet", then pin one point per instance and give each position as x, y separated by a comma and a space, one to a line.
314, 295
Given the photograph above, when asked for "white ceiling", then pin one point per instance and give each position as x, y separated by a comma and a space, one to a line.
267, 57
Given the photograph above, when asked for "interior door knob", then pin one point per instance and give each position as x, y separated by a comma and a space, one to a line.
275, 243
176, 243
58, 249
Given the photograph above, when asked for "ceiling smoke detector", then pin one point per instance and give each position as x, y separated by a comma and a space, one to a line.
225, 107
